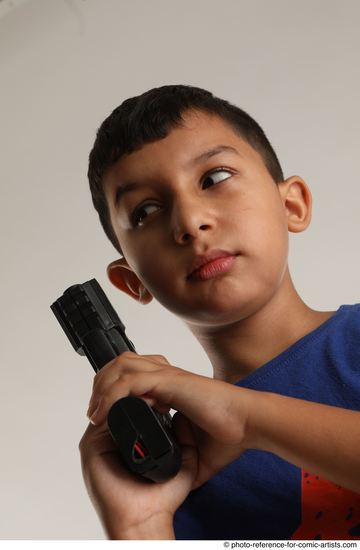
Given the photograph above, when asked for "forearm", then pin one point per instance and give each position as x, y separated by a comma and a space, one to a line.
155, 528
318, 438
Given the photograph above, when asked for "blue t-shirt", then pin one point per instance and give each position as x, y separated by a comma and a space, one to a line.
260, 495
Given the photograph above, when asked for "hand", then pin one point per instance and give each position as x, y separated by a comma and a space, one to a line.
212, 417
131, 507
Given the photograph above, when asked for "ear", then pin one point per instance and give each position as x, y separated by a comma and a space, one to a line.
123, 277
297, 200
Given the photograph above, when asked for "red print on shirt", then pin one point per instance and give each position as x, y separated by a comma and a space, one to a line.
328, 511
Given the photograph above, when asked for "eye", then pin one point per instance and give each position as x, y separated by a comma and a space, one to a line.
216, 176
140, 213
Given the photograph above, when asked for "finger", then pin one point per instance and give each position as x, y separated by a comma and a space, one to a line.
154, 403
113, 365
96, 440
127, 361
136, 384
157, 359
115, 369
162, 408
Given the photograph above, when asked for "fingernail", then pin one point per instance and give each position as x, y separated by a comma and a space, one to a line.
93, 405
94, 414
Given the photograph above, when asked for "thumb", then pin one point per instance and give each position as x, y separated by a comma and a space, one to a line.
184, 430
186, 440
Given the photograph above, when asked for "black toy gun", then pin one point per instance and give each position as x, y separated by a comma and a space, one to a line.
143, 435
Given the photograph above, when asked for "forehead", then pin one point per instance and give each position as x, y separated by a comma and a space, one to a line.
200, 132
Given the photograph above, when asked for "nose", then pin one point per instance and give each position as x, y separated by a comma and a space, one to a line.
190, 218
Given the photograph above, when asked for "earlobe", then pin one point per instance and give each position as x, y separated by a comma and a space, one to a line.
297, 202
123, 277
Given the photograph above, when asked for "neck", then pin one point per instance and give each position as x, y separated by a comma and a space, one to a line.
238, 349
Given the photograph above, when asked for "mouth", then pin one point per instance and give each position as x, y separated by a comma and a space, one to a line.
208, 266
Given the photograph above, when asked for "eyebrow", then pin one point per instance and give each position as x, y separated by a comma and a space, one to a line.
129, 186
212, 152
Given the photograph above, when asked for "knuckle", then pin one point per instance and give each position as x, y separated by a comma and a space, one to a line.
125, 377
82, 444
176, 371
161, 359
126, 354
119, 361
96, 379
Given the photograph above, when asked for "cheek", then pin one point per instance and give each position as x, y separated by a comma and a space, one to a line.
163, 281
153, 272
263, 237
259, 223
152, 267
270, 237
272, 253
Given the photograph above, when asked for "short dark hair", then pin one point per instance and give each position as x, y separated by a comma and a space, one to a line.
149, 117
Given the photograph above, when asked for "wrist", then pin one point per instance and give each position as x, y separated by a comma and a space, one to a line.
257, 411
157, 527
268, 421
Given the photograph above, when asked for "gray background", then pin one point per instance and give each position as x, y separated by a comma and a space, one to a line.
64, 65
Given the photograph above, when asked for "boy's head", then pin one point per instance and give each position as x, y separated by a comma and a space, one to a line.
179, 176
151, 116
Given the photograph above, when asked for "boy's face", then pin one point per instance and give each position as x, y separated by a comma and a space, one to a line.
181, 208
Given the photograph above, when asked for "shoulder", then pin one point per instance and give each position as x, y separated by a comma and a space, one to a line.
348, 316
344, 335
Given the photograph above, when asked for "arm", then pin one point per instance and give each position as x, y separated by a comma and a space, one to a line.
319, 438
226, 419
156, 528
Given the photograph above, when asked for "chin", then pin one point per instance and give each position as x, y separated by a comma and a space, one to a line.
224, 303
217, 315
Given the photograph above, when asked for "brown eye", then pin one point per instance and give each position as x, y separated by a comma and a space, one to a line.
141, 213
215, 177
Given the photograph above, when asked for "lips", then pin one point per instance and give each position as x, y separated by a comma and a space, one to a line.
211, 264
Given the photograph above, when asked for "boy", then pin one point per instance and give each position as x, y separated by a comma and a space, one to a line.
191, 194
